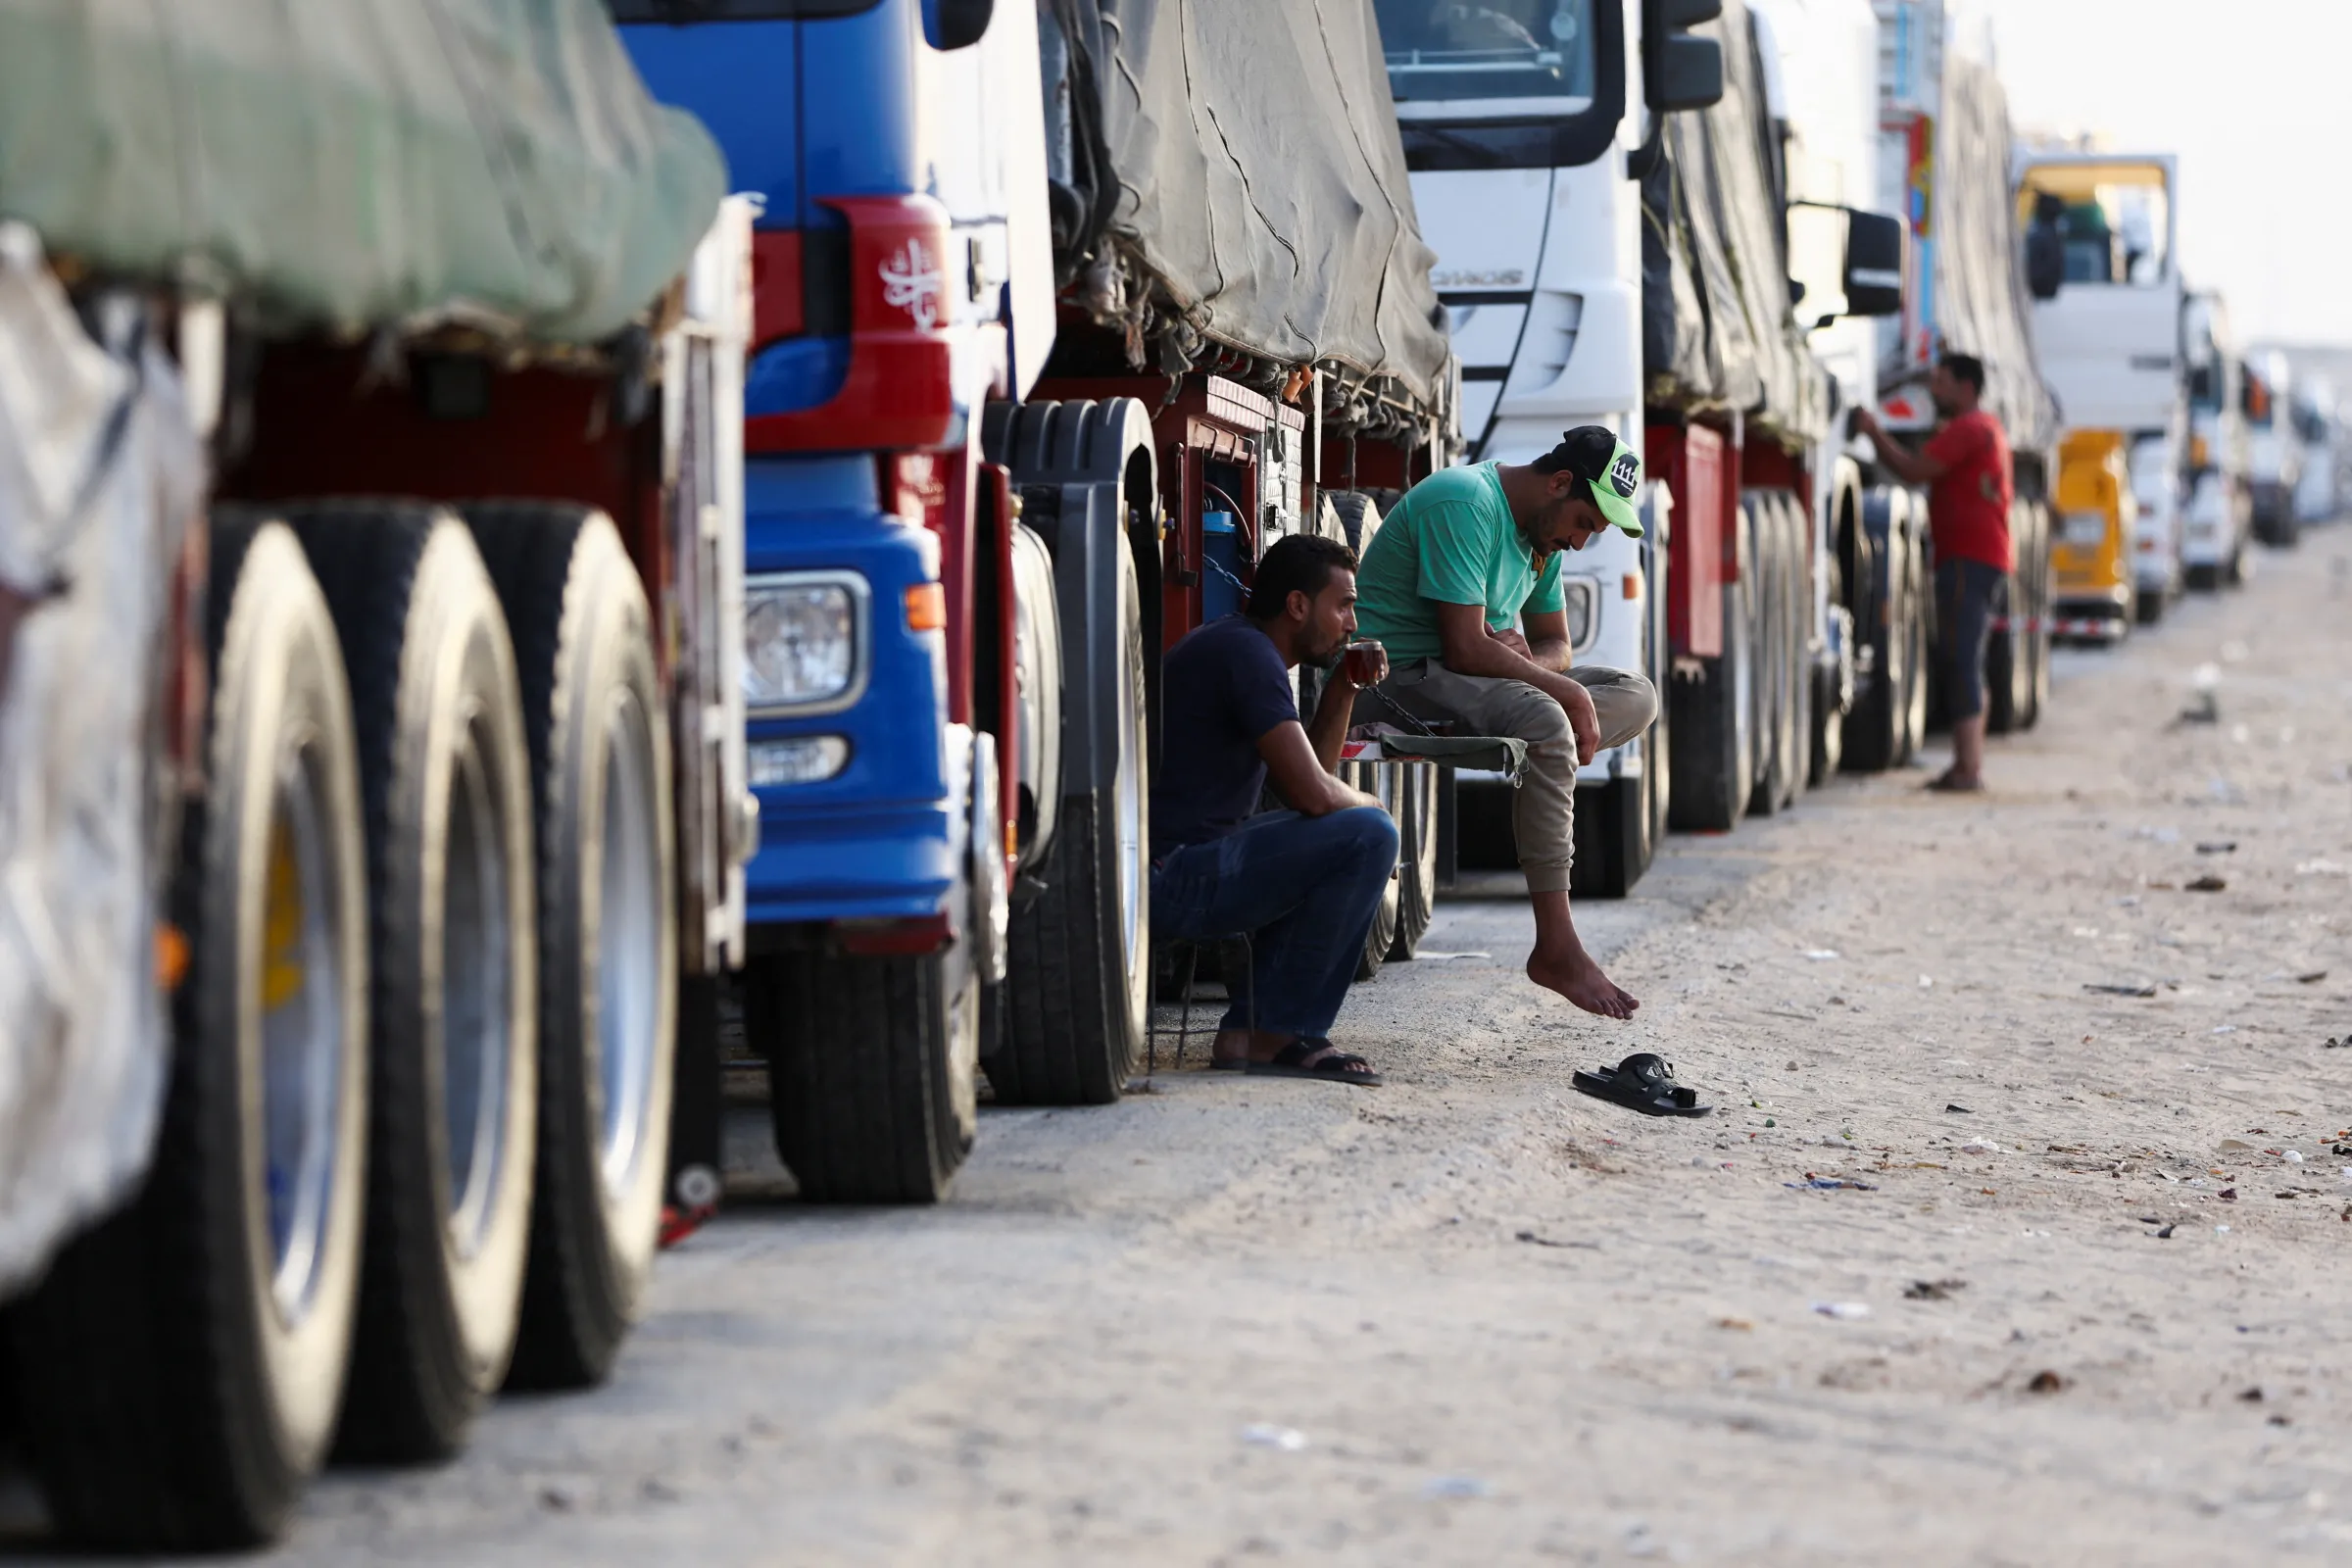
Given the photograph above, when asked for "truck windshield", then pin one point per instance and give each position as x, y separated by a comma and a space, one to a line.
2114, 220
1450, 50
734, 10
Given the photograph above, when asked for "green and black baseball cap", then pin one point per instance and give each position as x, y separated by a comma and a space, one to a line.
1594, 455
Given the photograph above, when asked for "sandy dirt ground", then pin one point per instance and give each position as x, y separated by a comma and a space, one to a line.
2081, 1302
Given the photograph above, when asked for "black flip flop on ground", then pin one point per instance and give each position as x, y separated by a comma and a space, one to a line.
1333, 1066
1643, 1082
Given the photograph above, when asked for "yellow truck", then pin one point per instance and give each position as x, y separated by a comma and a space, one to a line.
2092, 555
2100, 231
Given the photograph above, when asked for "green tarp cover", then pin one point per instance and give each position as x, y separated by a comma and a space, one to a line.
354, 164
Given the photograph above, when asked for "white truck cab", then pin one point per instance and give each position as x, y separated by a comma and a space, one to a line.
2107, 328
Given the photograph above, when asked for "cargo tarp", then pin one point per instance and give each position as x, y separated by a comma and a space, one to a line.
1255, 182
100, 473
350, 165
1718, 330
1978, 301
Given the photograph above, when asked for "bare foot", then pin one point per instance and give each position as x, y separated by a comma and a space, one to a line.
1578, 978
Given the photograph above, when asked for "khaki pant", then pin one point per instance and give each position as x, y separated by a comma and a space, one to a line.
1544, 810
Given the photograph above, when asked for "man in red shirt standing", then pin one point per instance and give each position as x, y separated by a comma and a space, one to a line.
1965, 466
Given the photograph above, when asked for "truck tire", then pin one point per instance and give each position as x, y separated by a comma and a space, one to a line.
1416, 859
1076, 990
1359, 518
1780, 665
1879, 729
2009, 663
1797, 752
1612, 836
446, 775
179, 1371
2038, 636
863, 1087
608, 927
1380, 780
1483, 835
1713, 741
1832, 684
1922, 603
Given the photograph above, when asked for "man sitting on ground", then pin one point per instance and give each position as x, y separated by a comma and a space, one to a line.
1304, 883
1468, 552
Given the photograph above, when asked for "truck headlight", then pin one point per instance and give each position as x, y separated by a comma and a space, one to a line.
1582, 597
804, 642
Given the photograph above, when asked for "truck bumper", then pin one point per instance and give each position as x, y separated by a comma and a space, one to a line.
2103, 616
879, 839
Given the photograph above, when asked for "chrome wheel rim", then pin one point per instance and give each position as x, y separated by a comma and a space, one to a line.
302, 1031
477, 994
629, 946
1128, 790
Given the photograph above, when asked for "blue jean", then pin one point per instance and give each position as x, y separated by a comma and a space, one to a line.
1968, 595
1304, 888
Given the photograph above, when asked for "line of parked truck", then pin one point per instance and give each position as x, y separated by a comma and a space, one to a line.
766, 624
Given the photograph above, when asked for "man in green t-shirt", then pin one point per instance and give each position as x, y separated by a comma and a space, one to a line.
1462, 586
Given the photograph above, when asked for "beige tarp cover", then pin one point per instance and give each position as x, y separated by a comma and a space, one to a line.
353, 164
1256, 176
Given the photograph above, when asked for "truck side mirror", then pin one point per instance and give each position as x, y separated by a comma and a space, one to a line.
1680, 72
956, 24
1874, 264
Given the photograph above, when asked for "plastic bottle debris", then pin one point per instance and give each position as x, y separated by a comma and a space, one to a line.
2293, 1156
1846, 1312
1980, 1146
1266, 1435
2322, 868
1820, 955
1926, 982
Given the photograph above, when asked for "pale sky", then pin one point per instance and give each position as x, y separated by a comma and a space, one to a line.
2254, 97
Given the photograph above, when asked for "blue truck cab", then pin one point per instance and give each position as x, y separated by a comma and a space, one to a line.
902, 282
885, 265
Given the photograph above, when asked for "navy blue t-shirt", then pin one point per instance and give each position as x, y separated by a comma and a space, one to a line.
1221, 689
